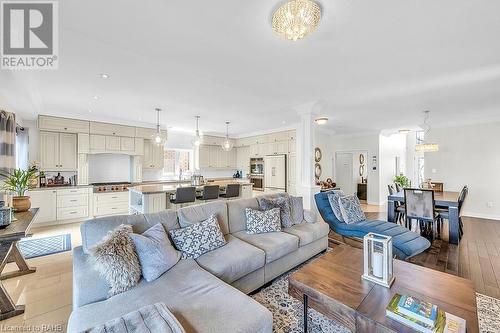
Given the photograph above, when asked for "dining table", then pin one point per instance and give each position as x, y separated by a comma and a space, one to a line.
445, 199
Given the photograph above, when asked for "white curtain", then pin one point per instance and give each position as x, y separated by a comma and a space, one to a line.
7, 141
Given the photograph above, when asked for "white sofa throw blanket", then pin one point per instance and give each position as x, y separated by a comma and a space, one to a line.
154, 318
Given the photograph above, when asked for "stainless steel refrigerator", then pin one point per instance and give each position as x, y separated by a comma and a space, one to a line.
275, 173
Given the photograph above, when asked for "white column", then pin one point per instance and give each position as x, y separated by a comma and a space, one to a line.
306, 186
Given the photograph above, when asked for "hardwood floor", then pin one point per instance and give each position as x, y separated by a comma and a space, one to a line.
48, 292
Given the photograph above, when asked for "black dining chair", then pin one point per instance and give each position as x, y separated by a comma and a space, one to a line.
420, 206
184, 195
232, 191
445, 215
398, 187
210, 192
400, 208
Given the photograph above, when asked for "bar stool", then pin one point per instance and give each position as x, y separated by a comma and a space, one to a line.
232, 191
210, 192
184, 195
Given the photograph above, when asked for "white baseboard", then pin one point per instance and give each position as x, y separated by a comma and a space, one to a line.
482, 216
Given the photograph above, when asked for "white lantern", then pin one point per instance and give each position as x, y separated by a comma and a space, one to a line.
378, 259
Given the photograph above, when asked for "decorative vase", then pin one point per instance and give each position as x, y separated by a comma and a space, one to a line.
21, 203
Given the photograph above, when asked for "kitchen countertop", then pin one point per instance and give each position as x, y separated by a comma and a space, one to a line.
171, 188
52, 188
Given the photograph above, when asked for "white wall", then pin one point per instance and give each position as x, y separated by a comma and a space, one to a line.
390, 147
468, 155
366, 143
323, 141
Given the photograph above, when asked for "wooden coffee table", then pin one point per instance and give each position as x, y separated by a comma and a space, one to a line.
332, 285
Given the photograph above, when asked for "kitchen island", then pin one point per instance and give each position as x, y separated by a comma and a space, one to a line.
152, 198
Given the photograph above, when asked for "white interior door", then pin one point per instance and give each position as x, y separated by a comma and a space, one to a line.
344, 173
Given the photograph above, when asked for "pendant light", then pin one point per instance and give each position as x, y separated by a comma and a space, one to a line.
426, 147
197, 136
159, 138
227, 144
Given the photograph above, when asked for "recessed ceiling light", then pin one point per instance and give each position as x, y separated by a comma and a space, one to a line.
90, 111
321, 120
96, 97
104, 76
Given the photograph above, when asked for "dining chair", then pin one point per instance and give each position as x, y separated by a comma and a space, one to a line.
445, 215
232, 191
400, 208
398, 187
420, 206
210, 192
184, 195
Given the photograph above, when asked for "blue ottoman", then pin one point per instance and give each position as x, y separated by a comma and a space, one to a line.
405, 243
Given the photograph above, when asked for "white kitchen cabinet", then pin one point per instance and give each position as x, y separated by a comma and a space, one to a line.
46, 201
243, 158
113, 203
153, 155
279, 147
204, 157
97, 143
292, 135
67, 152
214, 157
62, 125
144, 133
254, 150
112, 143
138, 146
49, 151
292, 146
127, 144
83, 143
58, 151
111, 129
83, 170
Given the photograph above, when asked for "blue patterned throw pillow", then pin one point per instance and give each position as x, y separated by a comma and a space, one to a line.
259, 222
333, 198
351, 209
199, 238
283, 203
297, 208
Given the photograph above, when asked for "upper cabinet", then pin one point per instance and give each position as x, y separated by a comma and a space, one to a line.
64, 125
153, 156
58, 151
145, 133
111, 129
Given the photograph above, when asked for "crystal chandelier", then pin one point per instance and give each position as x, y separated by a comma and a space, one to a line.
426, 147
227, 144
159, 138
197, 136
296, 19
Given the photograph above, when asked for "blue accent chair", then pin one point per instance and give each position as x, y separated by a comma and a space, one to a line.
405, 243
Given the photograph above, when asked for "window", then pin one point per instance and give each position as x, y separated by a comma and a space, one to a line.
178, 162
420, 135
421, 170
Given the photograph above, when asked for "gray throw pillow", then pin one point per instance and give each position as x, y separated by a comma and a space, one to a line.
259, 222
283, 203
199, 238
156, 253
351, 209
297, 209
116, 260
333, 198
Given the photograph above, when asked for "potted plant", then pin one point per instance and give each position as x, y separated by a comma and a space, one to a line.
19, 181
402, 181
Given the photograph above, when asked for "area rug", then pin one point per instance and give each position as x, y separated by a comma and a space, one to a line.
39, 247
288, 312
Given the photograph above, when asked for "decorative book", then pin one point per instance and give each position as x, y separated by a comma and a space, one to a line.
445, 322
415, 308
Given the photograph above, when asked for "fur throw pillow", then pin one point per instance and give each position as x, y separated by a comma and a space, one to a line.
116, 260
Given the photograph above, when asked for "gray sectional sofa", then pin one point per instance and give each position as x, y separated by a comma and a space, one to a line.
207, 294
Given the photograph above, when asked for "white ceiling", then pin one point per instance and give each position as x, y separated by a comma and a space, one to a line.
373, 65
